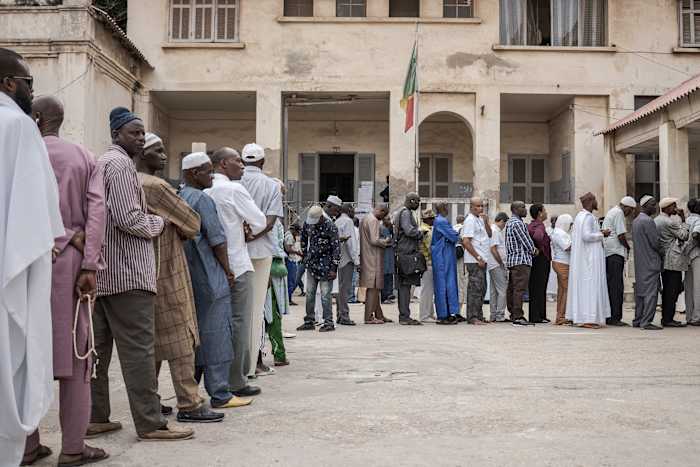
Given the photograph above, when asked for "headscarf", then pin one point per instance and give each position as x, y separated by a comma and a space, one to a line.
564, 222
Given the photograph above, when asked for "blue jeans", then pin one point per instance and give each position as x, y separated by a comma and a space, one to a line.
292, 267
326, 289
215, 382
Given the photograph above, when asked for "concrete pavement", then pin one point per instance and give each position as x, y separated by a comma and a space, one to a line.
496, 395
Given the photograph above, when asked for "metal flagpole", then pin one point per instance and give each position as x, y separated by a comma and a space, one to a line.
416, 110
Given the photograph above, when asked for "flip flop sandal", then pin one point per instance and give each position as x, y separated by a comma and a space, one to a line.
39, 453
89, 455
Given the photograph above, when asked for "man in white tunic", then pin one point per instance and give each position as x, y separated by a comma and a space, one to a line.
31, 219
587, 300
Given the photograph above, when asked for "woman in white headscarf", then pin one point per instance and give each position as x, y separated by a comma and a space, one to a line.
561, 253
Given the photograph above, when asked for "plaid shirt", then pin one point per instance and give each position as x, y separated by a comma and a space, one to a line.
519, 245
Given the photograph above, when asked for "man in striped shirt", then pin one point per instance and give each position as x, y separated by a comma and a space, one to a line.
124, 312
519, 252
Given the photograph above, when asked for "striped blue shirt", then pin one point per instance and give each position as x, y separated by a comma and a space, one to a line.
519, 245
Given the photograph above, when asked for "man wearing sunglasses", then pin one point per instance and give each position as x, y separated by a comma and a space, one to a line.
31, 220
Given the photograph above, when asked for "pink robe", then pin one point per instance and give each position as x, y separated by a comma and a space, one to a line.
82, 204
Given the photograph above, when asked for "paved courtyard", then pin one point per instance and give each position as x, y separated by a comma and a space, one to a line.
494, 395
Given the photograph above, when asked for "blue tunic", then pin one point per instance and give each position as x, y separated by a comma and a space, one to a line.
212, 295
445, 268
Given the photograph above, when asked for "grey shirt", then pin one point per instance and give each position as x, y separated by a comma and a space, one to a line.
408, 235
672, 236
647, 256
267, 195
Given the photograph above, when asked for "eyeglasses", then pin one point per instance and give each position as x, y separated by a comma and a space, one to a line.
27, 79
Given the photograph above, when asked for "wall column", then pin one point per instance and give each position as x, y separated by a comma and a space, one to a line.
268, 128
590, 115
615, 184
487, 146
402, 153
674, 165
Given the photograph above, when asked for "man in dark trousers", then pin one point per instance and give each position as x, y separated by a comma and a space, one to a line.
409, 268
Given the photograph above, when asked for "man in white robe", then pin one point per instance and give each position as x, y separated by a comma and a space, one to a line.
30, 216
587, 299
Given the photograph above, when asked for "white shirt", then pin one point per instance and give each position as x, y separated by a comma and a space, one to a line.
267, 195
235, 206
561, 243
474, 229
615, 221
349, 249
498, 239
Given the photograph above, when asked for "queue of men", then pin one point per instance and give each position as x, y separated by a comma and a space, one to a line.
99, 252
103, 252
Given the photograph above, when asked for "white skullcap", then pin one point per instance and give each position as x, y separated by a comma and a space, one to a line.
151, 139
666, 202
253, 153
314, 214
645, 199
334, 200
196, 159
629, 202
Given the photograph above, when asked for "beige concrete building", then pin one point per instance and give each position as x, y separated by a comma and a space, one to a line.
512, 93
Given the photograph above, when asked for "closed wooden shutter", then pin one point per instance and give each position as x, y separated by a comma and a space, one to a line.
594, 18
203, 19
364, 172
180, 19
308, 179
227, 20
298, 7
690, 23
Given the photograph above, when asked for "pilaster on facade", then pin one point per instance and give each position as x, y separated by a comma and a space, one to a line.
674, 166
268, 128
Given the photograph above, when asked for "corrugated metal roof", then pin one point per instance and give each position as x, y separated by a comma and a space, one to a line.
684, 89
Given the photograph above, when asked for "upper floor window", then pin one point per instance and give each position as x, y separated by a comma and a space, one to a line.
576, 23
204, 20
298, 7
458, 9
690, 23
351, 8
404, 8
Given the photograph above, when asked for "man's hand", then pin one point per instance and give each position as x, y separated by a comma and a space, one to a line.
332, 275
481, 263
231, 278
606, 233
484, 217
248, 232
681, 214
78, 241
86, 285
535, 252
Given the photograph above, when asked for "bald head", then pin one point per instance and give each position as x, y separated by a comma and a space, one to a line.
476, 206
412, 201
48, 112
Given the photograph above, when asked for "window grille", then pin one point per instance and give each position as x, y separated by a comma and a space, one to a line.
690, 23
458, 9
298, 7
351, 8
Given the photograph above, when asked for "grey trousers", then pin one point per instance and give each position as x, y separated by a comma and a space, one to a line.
692, 292
476, 291
644, 309
427, 295
127, 319
242, 320
499, 291
344, 290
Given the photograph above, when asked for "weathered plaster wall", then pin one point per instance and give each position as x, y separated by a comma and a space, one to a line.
561, 134
530, 139
454, 139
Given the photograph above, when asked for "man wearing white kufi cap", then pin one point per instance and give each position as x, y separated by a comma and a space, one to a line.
648, 264
176, 331
267, 195
673, 233
616, 250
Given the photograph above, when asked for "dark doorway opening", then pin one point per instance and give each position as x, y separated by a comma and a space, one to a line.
337, 176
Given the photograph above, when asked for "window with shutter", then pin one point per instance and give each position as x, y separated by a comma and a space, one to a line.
298, 7
351, 8
404, 8
689, 23
527, 177
458, 9
204, 20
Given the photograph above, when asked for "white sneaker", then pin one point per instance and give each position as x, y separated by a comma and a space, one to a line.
288, 335
428, 320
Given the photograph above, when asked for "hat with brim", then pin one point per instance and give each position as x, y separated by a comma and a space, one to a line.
314, 215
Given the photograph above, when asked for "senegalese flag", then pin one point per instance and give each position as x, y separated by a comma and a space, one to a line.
409, 91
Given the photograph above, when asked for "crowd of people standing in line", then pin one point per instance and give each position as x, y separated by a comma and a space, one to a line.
104, 252
454, 266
